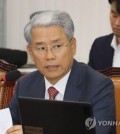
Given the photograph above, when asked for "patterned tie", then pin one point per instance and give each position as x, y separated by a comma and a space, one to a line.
52, 93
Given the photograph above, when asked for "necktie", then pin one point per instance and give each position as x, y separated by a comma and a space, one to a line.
52, 93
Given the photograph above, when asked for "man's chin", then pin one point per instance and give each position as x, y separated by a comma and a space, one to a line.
52, 75
117, 34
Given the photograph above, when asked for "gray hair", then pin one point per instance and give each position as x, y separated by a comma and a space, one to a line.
49, 18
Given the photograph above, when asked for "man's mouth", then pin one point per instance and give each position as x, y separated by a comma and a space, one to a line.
117, 29
51, 67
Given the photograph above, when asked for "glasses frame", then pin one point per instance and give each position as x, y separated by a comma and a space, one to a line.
55, 49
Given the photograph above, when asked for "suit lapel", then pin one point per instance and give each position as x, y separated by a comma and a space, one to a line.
109, 55
39, 87
42, 88
73, 92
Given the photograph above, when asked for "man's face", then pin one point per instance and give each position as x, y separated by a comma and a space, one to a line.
115, 20
52, 52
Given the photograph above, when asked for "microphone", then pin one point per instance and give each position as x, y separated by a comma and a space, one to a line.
12, 75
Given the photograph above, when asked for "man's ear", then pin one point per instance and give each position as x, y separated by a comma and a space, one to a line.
73, 44
30, 52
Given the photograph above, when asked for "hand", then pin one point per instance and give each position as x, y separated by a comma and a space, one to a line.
2, 74
17, 129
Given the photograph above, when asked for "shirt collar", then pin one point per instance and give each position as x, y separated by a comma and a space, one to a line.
114, 43
60, 85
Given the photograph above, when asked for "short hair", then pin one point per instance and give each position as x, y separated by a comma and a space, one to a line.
49, 18
117, 2
110, 1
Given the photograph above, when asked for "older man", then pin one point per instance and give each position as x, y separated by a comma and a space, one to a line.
52, 46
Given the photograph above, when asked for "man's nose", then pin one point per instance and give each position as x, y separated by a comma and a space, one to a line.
117, 22
49, 55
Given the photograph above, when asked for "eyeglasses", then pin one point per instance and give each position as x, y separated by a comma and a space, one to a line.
57, 48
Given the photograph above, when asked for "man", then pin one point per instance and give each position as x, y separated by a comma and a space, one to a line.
52, 46
105, 51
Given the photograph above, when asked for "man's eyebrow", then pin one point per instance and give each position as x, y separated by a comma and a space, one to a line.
113, 11
39, 43
43, 43
57, 40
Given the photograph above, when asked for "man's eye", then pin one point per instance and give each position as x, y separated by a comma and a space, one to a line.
57, 46
114, 14
41, 48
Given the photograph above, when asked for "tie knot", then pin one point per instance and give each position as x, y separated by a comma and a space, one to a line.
52, 93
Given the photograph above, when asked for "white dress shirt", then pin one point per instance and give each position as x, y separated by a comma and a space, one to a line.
60, 86
116, 56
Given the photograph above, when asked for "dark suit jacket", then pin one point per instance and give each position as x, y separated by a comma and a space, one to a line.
84, 85
101, 53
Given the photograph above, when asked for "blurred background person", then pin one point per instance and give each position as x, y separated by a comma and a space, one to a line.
105, 51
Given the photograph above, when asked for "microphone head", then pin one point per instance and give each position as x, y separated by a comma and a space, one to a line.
12, 75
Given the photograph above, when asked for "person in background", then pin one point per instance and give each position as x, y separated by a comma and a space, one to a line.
52, 46
105, 51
